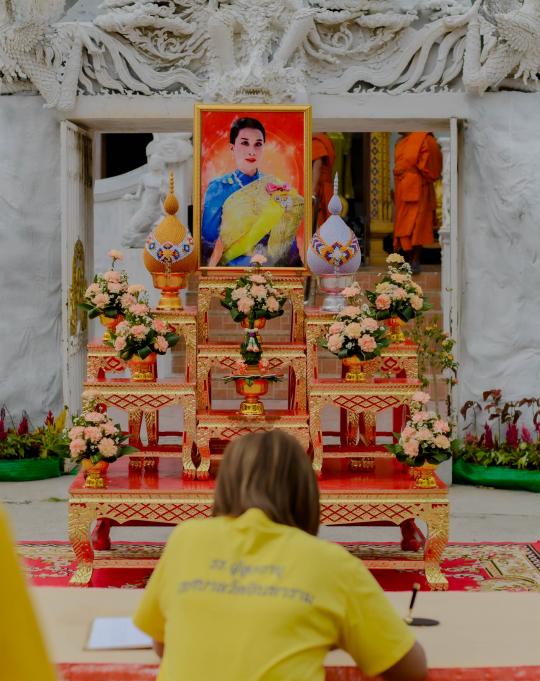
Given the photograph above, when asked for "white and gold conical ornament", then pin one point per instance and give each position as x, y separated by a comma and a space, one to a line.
334, 248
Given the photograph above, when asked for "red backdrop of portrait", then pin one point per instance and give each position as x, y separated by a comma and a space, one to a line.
283, 150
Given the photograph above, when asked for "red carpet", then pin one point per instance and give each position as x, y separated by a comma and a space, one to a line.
120, 672
468, 567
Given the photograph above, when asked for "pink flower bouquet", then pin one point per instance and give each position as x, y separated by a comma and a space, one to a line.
425, 438
253, 295
139, 333
95, 437
355, 332
104, 295
397, 295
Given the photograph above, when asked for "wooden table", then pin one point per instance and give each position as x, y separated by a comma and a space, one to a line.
387, 494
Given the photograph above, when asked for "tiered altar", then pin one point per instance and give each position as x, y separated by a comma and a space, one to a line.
360, 482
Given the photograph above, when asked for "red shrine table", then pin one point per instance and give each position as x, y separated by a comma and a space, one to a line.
385, 495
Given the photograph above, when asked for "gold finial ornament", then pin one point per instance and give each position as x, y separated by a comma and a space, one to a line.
169, 253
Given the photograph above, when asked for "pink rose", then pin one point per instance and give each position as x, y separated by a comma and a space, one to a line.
112, 275
101, 300
335, 342
442, 441
399, 293
258, 259
139, 331
94, 417
159, 325
411, 448
336, 327
76, 433
108, 428
424, 434
416, 303
257, 279
107, 447
127, 300
272, 304
441, 426
114, 287
115, 255
92, 433
419, 416
349, 311
369, 324
77, 447
353, 330
408, 432
259, 292
399, 278
367, 343
161, 344
139, 309
122, 329
245, 304
351, 291
382, 302
92, 290
119, 343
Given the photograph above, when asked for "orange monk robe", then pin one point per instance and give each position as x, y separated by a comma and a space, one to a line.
322, 147
418, 164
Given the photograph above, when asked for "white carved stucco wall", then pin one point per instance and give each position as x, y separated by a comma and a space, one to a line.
500, 246
30, 277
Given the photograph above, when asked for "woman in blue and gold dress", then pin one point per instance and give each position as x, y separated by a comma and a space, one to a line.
246, 212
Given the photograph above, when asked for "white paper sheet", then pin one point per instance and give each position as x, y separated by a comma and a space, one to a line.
116, 633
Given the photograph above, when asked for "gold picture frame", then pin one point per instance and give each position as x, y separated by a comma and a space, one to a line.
279, 194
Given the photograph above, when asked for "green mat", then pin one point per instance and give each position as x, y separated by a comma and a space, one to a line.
21, 470
495, 476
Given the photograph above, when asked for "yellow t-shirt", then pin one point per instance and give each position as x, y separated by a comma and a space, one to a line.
247, 599
23, 656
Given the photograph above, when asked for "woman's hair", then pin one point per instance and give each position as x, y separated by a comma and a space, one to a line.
270, 471
241, 123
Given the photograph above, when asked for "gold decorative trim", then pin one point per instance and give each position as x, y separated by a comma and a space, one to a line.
77, 290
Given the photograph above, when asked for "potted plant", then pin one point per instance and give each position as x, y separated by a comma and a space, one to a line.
397, 298
139, 337
32, 454
106, 296
355, 337
253, 299
425, 442
95, 442
499, 450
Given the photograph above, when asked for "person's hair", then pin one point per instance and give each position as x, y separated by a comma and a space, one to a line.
272, 472
241, 123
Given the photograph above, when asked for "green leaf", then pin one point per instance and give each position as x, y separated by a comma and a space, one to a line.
144, 352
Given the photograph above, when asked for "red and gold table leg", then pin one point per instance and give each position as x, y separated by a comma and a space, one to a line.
436, 518
80, 517
203, 445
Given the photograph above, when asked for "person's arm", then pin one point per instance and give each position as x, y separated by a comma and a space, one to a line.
411, 667
373, 633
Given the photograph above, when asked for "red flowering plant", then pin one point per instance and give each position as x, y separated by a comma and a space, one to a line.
94, 436
22, 441
248, 372
494, 435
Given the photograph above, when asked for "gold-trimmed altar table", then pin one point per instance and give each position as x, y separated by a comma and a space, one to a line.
138, 398
387, 494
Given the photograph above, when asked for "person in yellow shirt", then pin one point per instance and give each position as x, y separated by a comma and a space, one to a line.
23, 656
253, 595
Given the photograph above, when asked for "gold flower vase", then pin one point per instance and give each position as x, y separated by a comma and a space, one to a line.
395, 332
110, 324
95, 473
170, 284
424, 478
358, 370
143, 370
251, 390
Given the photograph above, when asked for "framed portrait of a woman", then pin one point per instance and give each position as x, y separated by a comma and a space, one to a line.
252, 185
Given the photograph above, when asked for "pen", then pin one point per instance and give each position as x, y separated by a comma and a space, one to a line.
415, 590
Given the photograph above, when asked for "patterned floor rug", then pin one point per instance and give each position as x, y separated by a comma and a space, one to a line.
468, 567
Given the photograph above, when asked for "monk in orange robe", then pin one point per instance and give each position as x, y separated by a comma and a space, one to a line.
322, 159
418, 164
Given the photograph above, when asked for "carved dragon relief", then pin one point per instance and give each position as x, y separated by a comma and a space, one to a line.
276, 50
